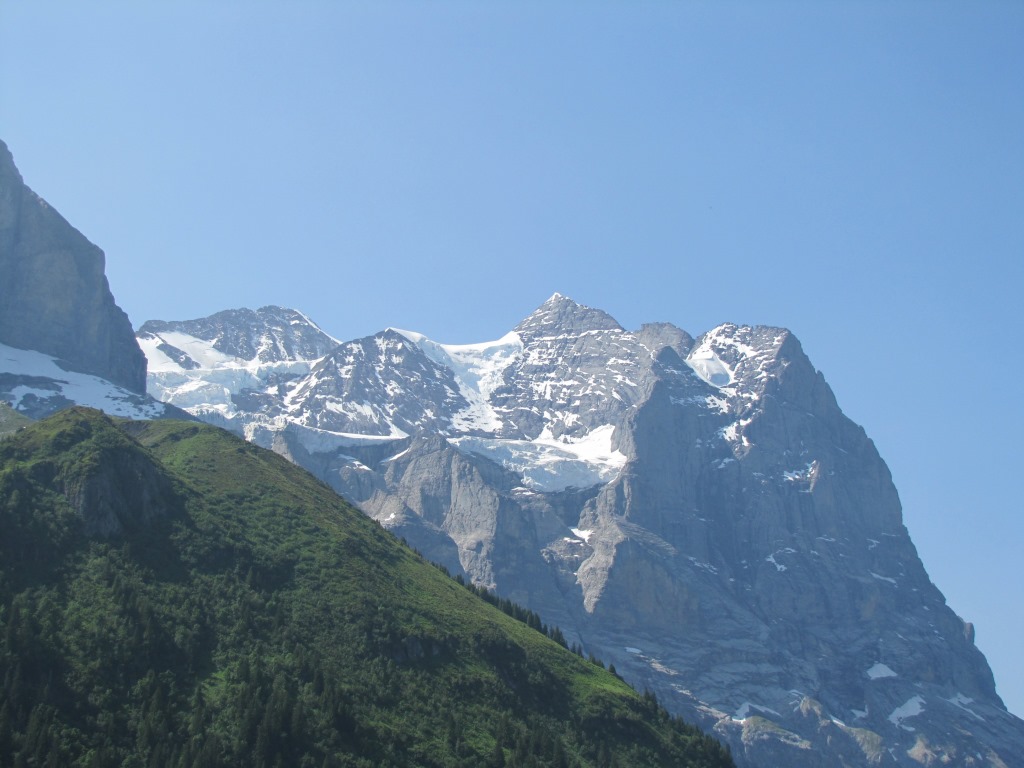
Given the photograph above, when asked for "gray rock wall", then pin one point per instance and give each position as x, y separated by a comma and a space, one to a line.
54, 296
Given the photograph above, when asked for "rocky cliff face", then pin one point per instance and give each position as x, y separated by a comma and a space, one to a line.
54, 296
698, 512
117, 487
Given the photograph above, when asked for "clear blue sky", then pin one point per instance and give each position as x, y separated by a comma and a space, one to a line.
852, 171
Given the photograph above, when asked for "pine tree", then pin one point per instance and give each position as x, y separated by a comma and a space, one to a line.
497, 756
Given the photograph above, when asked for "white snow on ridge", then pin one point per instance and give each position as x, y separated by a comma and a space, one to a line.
478, 370
322, 441
707, 363
200, 350
209, 387
80, 388
549, 464
207, 356
313, 325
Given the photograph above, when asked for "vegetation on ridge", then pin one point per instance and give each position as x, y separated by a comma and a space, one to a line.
11, 420
232, 610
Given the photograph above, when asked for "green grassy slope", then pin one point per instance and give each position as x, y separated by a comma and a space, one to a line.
11, 420
171, 595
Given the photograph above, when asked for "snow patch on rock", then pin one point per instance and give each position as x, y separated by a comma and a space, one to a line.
553, 464
879, 670
45, 379
912, 707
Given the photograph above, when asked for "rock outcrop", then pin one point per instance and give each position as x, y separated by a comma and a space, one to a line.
117, 486
54, 296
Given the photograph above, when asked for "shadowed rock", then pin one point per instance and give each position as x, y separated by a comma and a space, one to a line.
54, 296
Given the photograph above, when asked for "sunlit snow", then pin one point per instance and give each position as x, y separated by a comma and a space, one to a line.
322, 441
709, 366
880, 670
200, 350
218, 377
550, 464
582, 534
80, 388
478, 370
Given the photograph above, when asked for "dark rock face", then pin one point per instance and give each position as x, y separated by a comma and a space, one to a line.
123, 490
698, 512
760, 554
54, 296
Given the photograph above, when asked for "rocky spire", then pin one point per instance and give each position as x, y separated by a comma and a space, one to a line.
561, 315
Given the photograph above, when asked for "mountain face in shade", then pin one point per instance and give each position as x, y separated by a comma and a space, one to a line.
697, 511
54, 296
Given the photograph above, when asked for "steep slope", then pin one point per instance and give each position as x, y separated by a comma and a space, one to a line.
11, 420
699, 511
170, 595
54, 296
36, 384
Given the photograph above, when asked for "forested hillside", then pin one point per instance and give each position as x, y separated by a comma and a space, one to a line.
171, 595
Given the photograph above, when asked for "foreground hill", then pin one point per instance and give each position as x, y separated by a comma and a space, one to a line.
171, 595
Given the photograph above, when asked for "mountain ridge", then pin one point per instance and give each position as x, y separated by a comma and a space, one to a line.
626, 484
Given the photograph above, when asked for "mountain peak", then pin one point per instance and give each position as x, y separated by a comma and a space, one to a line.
267, 334
561, 315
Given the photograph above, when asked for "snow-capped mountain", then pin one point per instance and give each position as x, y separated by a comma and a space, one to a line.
697, 511
262, 337
202, 365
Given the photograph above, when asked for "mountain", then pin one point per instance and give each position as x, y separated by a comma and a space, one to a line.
63, 339
54, 296
700, 512
171, 595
